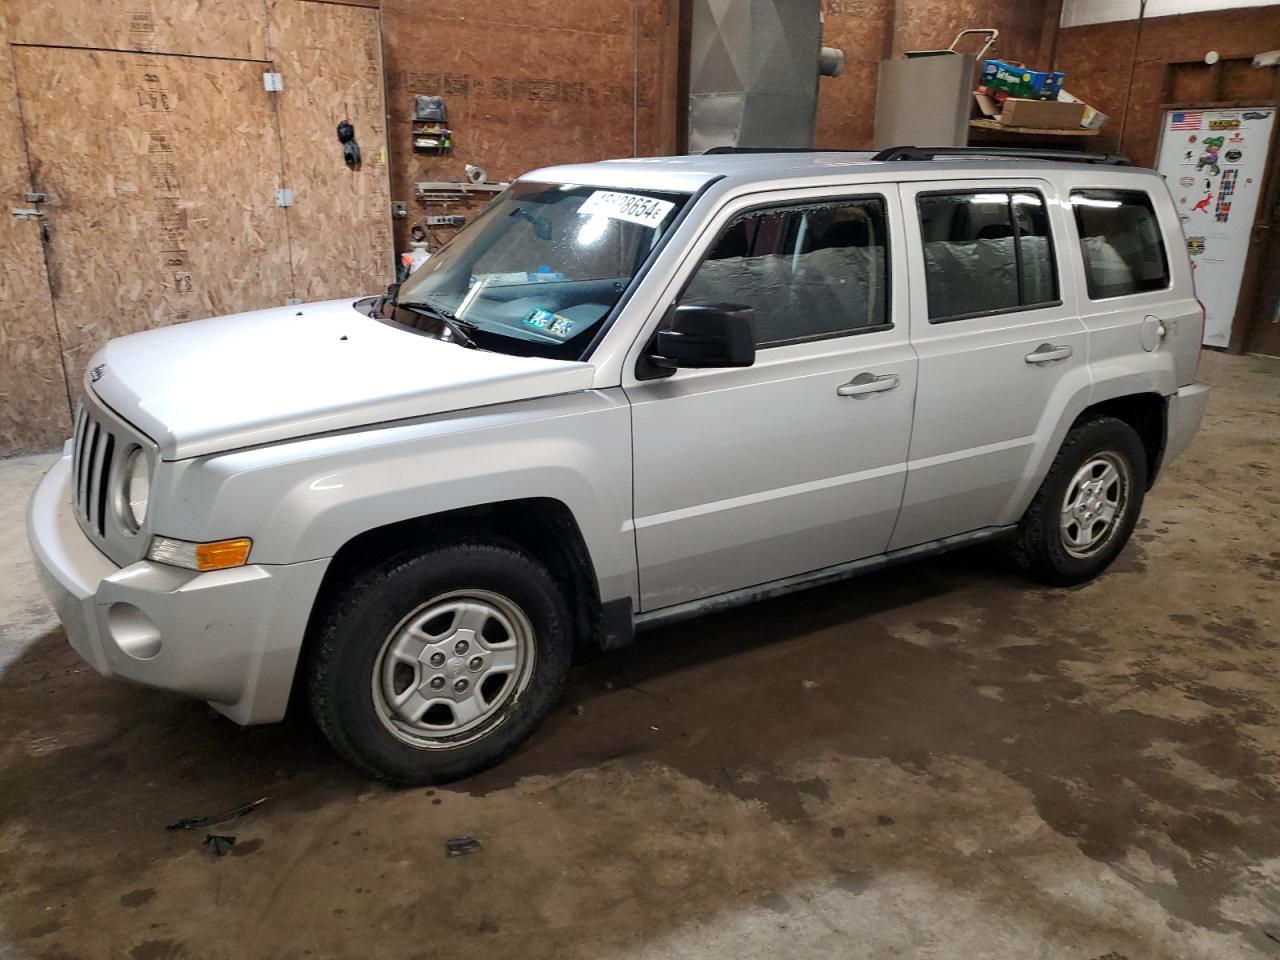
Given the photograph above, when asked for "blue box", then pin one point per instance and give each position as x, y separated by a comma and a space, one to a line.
1001, 79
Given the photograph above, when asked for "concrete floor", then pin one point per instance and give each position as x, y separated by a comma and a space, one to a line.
939, 761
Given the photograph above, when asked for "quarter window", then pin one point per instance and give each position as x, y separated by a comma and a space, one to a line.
1120, 241
809, 271
986, 252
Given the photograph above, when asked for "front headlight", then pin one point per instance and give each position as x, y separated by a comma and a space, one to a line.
135, 489
218, 555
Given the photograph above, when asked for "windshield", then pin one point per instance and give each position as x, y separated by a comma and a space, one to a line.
541, 268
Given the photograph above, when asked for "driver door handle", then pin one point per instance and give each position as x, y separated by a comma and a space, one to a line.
865, 384
1048, 352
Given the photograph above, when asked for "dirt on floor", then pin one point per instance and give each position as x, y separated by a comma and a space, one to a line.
938, 761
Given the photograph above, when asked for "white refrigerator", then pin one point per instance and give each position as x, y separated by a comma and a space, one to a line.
1214, 161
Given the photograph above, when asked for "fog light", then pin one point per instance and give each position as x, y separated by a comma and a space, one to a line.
133, 631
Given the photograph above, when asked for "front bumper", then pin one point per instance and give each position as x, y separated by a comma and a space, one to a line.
231, 637
1185, 411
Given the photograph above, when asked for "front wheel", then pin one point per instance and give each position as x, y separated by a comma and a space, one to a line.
1087, 506
438, 663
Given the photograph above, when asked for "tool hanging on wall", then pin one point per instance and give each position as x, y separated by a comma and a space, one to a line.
350, 149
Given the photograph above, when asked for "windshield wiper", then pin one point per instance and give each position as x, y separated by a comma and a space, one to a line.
457, 326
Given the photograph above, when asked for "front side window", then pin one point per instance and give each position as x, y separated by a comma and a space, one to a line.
541, 268
1120, 241
808, 271
986, 252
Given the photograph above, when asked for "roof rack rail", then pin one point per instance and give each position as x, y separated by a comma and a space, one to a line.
1018, 153
719, 150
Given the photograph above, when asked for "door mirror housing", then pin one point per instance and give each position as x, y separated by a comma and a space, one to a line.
710, 335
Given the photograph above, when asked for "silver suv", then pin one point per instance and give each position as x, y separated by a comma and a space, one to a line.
629, 392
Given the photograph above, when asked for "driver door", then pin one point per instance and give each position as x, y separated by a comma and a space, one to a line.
797, 463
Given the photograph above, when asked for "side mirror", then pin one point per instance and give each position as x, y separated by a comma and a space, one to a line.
714, 335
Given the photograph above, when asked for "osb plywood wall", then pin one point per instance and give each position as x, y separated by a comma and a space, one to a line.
340, 223
529, 84
1104, 56
33, 396
132, 240
846, 104
148, 127
870, 30
559, 81
229, 28
1098, 58
161, 218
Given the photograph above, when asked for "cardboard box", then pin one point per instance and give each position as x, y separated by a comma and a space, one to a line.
1092, 119
1001, 79
1040, 114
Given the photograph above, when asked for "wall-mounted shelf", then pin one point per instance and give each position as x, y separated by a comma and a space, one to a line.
442, 191
431, 130
994, 127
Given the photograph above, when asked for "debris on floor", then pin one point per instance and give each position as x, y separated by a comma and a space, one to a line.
461, 846
221, 844
199, 823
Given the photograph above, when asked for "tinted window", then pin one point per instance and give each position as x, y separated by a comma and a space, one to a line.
1121, 243
810, 271
986, 252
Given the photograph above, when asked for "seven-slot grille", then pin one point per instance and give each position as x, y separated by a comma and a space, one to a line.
95, 449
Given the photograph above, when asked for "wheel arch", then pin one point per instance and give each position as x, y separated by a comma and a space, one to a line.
543, 527
1142, 409
1146, 413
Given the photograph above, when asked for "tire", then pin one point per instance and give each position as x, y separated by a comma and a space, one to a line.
1063, 538
432, 615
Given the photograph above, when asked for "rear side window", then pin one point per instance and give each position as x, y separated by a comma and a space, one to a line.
1121, 243
986, 252
809, 271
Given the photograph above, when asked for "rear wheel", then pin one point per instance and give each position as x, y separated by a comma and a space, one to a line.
1087, 506
438, 663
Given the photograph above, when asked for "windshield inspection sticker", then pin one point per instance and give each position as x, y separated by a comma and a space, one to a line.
549, 323
626, 206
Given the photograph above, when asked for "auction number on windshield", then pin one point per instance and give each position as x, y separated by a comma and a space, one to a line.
626, 206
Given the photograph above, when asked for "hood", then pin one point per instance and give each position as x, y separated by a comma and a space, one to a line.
213, 385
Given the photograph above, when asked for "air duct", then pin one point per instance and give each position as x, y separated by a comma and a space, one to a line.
753, 73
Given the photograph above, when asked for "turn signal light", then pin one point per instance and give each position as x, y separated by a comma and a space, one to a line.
219, 555
223, 554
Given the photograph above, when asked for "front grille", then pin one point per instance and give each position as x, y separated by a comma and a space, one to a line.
101, 447
95, 449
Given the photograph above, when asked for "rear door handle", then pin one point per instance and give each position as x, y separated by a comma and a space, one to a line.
1048, 352
865, 384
